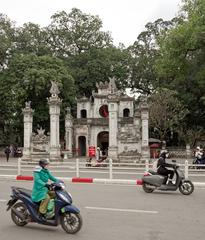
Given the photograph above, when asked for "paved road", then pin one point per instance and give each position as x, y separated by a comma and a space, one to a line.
114, 212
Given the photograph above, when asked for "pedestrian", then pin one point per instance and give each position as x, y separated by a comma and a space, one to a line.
198, 152
88, 162
98, 154
12, 150
7, 152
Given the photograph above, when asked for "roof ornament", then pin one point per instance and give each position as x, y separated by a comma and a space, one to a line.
54, 89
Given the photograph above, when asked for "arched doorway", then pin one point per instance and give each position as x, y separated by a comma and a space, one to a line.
103, 142
82, 146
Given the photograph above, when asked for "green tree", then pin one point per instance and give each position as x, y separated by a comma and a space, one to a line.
97, 65
28, 79
166, 112
6, 110
75, 32
181, 60
7, 36
144, 52
31, 38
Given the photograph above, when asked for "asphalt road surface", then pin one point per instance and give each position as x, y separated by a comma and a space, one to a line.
113, 212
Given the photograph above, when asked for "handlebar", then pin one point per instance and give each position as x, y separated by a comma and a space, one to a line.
176, 166
57, 186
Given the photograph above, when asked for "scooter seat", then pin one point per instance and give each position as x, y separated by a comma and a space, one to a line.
25, 191
153, 172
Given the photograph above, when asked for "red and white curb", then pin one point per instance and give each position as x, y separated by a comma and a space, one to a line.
90, 180
78, 180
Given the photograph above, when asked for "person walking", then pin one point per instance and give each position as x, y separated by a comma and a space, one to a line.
98, 154
7, 152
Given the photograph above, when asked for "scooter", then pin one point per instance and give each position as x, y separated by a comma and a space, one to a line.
153, 181
198, 162
24, 210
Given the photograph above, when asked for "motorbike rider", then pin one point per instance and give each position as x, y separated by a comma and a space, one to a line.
161, 166
199, 153
40, 191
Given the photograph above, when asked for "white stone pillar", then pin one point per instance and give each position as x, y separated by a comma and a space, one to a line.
69, 132
28, 126
54, 110
145, 129
113, 125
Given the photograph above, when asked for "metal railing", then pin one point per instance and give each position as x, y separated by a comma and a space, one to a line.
109, 169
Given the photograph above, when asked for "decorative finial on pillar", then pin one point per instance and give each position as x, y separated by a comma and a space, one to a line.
111, 68
112, 85
28, 104
68, 110
68, 113
27, 109
54, 89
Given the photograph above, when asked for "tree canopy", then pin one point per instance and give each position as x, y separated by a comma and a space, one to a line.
74, 51
181, 65
75, 32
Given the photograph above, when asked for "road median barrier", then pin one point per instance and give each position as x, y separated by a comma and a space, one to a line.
82, 180
137, 182
28, 178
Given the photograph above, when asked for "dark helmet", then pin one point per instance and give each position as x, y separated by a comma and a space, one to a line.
164, 154
44, 162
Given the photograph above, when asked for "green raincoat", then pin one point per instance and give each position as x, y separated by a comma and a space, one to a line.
41, 177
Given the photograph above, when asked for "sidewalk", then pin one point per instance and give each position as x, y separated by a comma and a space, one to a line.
12, 161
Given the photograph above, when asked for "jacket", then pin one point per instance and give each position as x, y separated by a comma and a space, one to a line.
162, 163
41, 177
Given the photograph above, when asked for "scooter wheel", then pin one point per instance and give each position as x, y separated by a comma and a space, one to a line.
146, 188
20, 207
71, 222
186, 187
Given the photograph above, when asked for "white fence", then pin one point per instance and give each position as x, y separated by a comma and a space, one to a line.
108, 170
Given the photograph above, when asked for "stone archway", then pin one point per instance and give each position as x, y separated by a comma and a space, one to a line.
103, 142
82, 145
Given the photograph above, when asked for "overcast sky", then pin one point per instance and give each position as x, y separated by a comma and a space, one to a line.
125, 19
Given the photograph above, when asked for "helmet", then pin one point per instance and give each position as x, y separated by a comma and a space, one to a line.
44, 162
164, 154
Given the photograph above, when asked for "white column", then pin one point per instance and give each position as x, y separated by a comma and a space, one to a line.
69, 132
113, 126
28, 126
145, 134
54, 110
69, 140
145, 130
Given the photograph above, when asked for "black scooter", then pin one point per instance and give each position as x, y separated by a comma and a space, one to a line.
153, 181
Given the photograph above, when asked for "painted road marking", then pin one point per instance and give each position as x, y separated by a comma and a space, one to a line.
3, 200
121, 210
